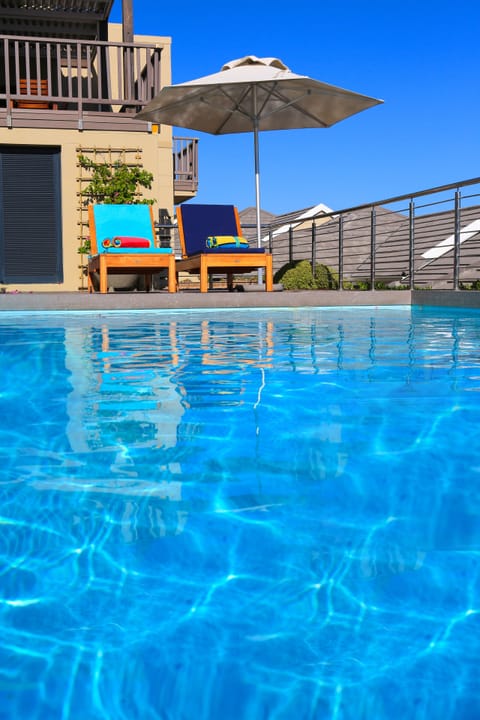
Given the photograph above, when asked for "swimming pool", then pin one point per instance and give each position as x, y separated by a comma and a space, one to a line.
240, 514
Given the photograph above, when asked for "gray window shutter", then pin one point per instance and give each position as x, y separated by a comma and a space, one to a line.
30, 215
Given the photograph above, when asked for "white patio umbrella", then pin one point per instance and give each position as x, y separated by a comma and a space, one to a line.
253, 94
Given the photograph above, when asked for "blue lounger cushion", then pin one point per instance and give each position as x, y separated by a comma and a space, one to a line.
203, 221
225, 249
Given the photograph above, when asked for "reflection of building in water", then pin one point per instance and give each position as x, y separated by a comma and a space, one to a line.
162, 515
124, 410
221, 345
222, 398
226, 368
223, 376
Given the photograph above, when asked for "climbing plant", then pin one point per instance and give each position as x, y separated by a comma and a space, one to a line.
114, 183
117, 184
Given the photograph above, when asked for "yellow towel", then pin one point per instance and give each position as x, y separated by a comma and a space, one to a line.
215, 241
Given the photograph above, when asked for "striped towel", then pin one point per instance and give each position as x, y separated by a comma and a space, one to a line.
226, 242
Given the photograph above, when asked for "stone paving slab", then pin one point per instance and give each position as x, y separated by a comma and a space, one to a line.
44, 301
158, 300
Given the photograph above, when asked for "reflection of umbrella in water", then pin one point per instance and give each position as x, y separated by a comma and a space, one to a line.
254, 94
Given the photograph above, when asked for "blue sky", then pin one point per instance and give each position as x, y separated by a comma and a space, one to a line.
420, 56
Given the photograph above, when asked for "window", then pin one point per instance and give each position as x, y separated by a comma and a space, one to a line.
30, 215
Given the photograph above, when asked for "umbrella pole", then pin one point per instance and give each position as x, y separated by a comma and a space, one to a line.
257, 180
257, 184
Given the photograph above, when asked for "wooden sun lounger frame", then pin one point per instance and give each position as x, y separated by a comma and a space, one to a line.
124, 263
228, 263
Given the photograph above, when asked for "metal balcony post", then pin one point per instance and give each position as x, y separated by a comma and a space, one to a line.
456, 253
411, 244
372, 248
314, 247
340, 252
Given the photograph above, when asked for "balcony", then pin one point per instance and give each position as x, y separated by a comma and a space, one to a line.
185, 168
83, 85
87, 85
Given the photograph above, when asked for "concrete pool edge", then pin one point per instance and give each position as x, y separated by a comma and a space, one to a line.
51, 301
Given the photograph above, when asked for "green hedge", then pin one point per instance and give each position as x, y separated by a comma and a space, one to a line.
298, 275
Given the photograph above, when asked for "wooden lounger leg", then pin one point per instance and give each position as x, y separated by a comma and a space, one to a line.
229, 281
203, 274
148, 282
269, 273
172, 275
103, 274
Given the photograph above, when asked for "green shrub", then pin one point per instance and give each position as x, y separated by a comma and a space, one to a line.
296, 276
326, 278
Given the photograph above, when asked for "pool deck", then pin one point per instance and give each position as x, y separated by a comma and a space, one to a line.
159, 300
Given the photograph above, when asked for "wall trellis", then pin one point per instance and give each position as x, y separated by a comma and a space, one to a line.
132, 157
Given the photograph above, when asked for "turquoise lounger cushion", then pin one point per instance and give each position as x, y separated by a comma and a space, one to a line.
140, 251
133, 222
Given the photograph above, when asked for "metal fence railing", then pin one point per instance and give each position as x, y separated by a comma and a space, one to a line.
426, 239
430, 238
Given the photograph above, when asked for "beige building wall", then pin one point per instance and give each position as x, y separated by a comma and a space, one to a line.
153, 149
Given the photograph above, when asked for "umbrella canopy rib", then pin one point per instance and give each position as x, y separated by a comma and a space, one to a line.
237, 108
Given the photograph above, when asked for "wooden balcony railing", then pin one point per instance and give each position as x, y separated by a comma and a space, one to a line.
76, 77
86, 85
185, 168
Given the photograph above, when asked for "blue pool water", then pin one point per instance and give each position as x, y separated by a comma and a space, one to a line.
240, 515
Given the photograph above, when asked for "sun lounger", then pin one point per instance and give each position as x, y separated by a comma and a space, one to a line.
211, 242
122, 239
